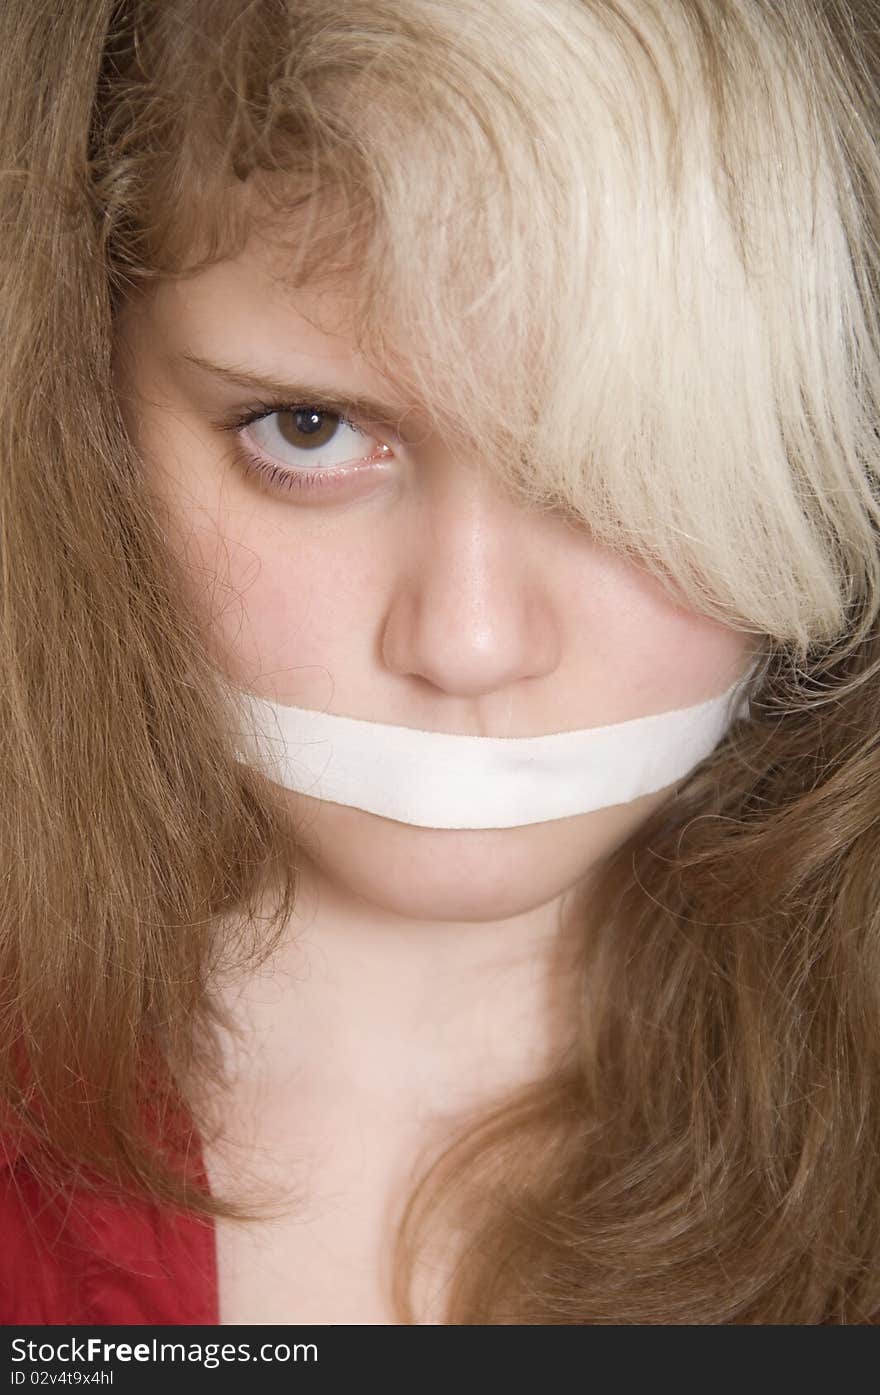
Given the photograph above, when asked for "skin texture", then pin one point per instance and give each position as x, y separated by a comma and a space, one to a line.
426, 969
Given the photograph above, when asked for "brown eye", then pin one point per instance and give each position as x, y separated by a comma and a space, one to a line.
307, 427
308, 448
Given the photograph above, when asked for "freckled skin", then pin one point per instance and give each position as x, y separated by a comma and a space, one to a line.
421, 968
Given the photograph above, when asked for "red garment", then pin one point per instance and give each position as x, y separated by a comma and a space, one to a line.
83, 1259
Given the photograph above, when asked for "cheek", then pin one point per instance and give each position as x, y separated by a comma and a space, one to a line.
272, 592
646, 652
273, 601
458, 875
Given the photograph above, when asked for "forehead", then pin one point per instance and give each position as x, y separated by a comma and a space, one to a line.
258, 314
257, 287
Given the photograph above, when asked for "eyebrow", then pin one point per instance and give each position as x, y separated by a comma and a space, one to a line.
352, 403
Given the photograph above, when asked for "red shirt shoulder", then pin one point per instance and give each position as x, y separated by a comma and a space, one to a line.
80, 1258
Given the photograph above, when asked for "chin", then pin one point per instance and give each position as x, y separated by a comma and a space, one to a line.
453, 874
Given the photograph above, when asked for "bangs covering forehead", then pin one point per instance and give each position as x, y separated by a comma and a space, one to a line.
616, 249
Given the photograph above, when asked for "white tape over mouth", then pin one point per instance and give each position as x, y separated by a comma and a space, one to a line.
439, 780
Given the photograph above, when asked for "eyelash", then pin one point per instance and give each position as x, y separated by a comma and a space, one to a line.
283, 479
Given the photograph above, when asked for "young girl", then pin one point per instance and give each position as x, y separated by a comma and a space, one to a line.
440, 612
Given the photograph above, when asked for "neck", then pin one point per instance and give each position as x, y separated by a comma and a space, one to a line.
403, 1010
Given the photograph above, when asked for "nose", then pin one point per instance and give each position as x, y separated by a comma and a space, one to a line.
472, 609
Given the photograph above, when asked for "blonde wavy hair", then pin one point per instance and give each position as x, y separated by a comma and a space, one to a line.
668, 213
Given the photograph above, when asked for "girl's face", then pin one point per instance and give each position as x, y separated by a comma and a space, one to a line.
369, 569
